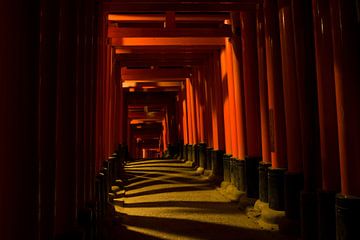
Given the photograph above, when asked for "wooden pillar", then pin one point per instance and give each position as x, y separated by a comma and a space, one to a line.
226, 104
274, 77
47, 118
327, 119
251, 83
276, 106
65, 182
345, 24
291, 98
219, 111
209, 105
101, 69
189, 112
202, 120
303, 173
185, 114
264, 106
193, 113
19, 119
231, 93
197, 105
263, 88
346, 50
238, 85
252, 101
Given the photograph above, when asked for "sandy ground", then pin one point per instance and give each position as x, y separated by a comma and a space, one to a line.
166, 199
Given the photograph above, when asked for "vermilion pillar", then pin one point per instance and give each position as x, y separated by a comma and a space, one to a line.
226, 104
214, 109
291, 97
297, 48
252, 101
202, 116
275, 92
346, 50
231, 95
238, 86
251, 83
209, 105
263, 89
218, 114
189, 112
65, 181
198, 108
193, 113
276, 106
185, 114
327, 118
264, 107
346, 47
18, 124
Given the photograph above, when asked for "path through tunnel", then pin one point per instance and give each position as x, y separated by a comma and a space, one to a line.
175, 119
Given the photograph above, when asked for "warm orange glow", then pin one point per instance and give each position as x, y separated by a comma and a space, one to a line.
224, 81
122, 51
240, 126
178, 41
232, 106
136, 17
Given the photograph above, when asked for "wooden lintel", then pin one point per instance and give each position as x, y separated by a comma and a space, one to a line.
176, 73
176, 41
208, 6
115, 32
161, 17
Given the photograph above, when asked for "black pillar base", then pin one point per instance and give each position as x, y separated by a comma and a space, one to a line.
252, 176
209, 158
263, 181
347, 217
276, 188
181, 150
326, 215
226, 167
75, 234
240, 174
185, 152
217, 163
194, 154
294, 184
190, 152
202, 155
233, 171
308, 210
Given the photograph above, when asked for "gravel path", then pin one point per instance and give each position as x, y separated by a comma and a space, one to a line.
166, 199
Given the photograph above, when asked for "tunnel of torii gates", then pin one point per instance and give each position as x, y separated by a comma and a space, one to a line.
263, 93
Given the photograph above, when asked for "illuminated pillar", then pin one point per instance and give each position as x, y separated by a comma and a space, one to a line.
184, 118
226, 115
217, 117
201, 121
231, 95
218, 114
191, 123
346, 50
209, 105
238, 86
276, 107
